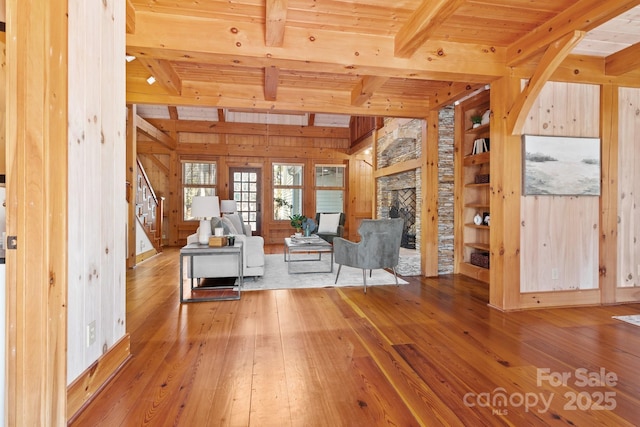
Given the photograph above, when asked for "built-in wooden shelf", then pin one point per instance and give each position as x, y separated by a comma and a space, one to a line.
479, 246
477, 205
474, 185
479, 131
474, 225
477, 159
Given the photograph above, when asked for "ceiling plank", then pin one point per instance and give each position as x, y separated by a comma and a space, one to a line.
551, 60
203, 126
365, 88
422, 24
154, 133
275, 20
271, 75
584, 15
130, 18
164, 74
623, 61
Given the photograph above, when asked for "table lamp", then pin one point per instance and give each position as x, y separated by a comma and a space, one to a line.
228, 206
205, 208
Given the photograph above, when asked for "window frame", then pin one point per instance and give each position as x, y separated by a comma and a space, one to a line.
184, 185
318, 187
276, 187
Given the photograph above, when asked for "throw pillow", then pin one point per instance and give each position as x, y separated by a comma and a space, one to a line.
329, 223
236, 220
228, 226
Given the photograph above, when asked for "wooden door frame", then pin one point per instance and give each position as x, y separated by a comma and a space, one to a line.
230, 167
37, 212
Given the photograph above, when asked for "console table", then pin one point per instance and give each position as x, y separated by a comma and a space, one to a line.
196, 249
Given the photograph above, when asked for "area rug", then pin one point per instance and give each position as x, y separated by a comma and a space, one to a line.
634, 319
276, 275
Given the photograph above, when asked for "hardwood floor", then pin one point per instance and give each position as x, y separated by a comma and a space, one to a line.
428, 353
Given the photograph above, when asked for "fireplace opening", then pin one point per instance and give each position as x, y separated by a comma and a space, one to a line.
403, 205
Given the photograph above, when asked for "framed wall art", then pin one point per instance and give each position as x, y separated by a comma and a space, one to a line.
560, 166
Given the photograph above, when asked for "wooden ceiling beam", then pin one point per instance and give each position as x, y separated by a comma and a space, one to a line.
311, 120
221, 117
271, 75
584, 15
203, 126
365, 88
173, 112
623, 61
163, 72
275, 21
200, 94
422, 24
329, 51
551, 60
130, 18
154, 133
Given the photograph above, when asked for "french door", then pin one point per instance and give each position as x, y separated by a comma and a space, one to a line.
245, 189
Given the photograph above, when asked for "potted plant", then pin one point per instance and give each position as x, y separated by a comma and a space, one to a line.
297, 221
476, 121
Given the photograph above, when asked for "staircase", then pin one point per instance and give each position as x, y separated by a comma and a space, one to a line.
149, 208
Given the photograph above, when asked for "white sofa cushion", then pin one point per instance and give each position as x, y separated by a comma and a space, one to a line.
236, 220
329, 223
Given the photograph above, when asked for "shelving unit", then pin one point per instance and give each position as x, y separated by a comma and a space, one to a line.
471, 197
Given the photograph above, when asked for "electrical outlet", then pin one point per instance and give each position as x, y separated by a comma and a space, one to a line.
91, 333
554, 274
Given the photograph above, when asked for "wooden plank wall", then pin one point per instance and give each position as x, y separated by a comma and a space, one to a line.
164, 170
97, 191
628, 268
561, 232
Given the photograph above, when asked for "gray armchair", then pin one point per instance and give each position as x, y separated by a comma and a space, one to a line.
378, 248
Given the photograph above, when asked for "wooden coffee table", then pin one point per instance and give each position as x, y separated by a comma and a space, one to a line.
306, 245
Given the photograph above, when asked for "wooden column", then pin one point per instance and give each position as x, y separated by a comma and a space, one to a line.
608, 250
506, 168
37, 212
429, 231
132, 179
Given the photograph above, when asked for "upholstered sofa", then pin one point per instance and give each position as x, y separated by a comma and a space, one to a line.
226, 265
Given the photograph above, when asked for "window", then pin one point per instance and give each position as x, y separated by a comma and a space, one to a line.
330, 188
287, 190
198, 179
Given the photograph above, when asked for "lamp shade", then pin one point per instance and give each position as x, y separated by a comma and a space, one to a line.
205, 207
228, 206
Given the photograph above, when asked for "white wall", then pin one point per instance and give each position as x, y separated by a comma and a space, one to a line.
97, 203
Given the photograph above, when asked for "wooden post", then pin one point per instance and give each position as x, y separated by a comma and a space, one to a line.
37, 211
429, 230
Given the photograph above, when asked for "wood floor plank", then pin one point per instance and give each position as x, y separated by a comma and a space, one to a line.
426, 353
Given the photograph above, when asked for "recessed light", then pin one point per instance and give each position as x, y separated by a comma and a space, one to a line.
151, 80
129, 58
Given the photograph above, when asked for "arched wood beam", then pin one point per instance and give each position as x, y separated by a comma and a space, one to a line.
164, 74
365, 88
622, 62
421, 25
154, 133
552, 58
275, 20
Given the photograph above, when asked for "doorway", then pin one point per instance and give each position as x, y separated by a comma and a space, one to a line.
245, 189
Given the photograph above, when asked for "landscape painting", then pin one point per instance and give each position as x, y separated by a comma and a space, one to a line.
561, 166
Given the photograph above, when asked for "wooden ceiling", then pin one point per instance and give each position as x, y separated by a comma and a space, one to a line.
398, 58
